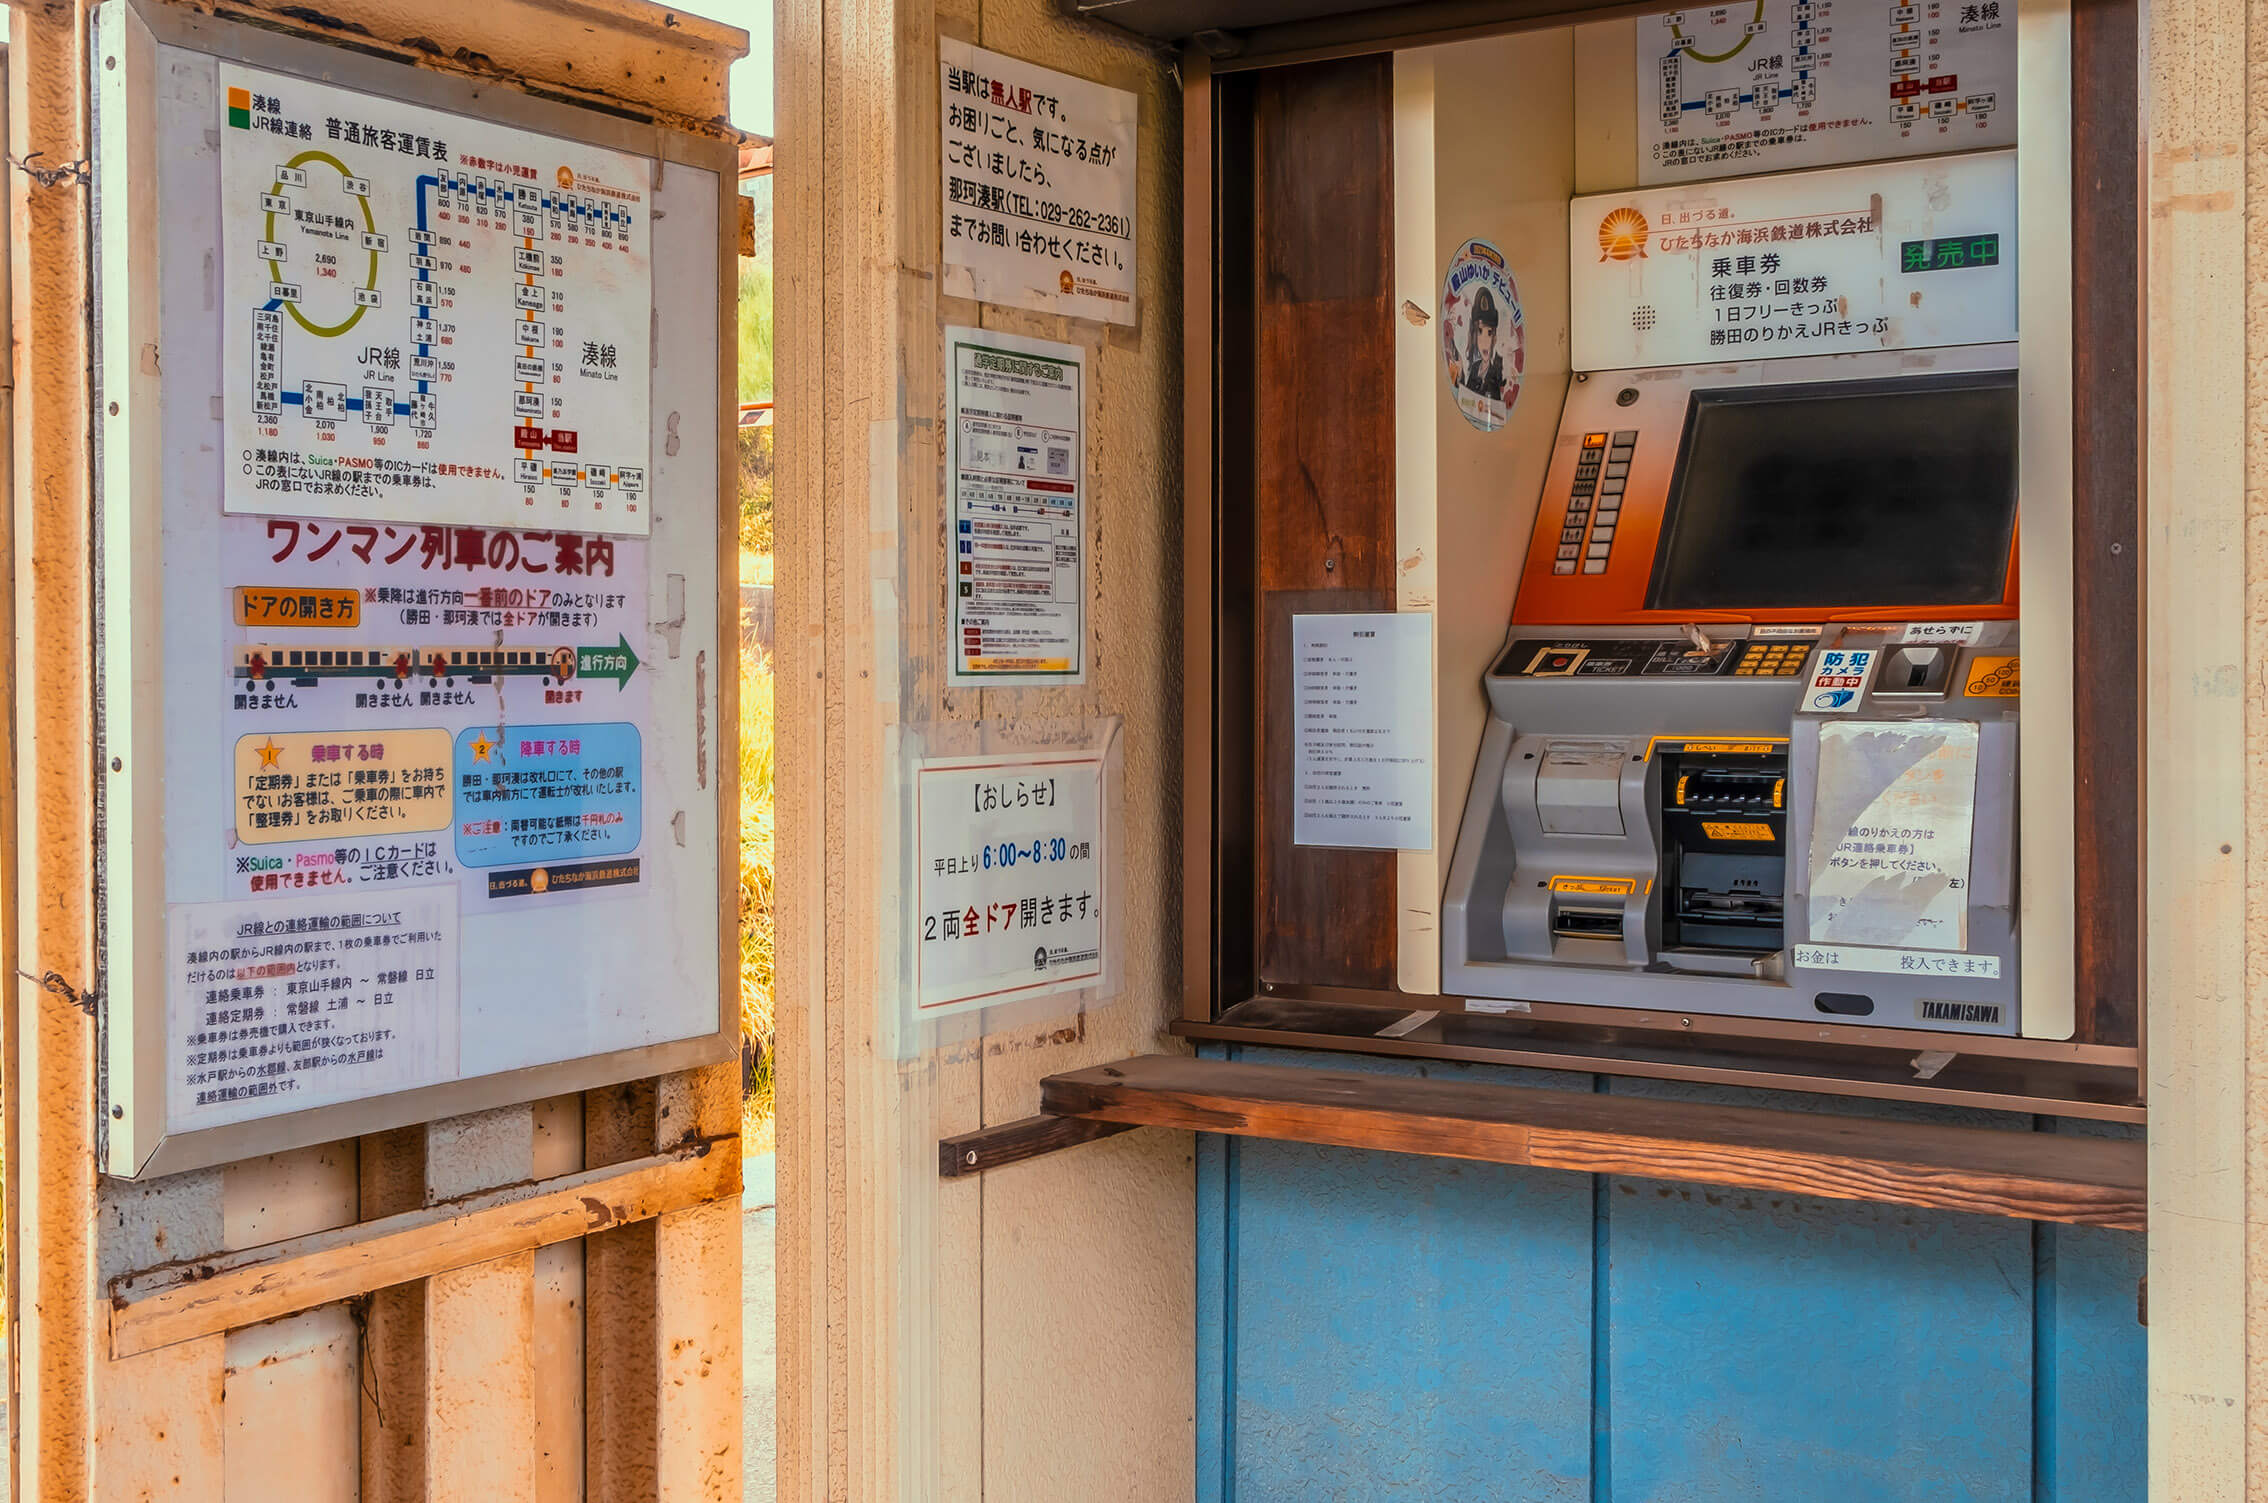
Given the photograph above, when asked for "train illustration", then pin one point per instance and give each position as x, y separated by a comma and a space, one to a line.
392, 666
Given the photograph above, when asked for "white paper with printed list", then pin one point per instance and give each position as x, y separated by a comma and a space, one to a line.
1362, 702
1891, 833
279, 1004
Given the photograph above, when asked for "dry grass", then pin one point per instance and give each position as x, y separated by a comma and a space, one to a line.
756, 954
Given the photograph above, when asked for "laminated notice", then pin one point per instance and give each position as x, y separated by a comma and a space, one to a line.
1891, 832
278, 1004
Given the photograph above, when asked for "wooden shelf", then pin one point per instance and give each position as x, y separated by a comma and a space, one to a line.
2061, 1080
2037, 1176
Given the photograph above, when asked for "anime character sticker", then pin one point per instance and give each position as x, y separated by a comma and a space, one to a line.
1482, 344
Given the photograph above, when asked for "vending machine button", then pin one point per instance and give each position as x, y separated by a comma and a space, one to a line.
1626, 437
1595, 566
1563, 567
1613, 487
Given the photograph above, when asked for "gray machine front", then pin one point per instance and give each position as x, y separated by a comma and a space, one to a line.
1646, 828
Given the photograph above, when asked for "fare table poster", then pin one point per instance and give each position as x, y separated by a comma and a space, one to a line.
1736, 90
431, 551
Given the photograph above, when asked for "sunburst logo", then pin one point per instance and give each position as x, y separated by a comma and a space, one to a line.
1622, 236
567, 178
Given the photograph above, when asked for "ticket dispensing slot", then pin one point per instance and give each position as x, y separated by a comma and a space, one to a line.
1724, 848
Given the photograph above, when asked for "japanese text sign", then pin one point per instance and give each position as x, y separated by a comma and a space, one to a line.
1805, 263
1038, 171
1011, 880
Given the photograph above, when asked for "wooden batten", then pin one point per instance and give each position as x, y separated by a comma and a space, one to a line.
2036, 1176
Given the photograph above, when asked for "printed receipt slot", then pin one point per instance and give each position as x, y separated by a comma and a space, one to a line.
1751, 741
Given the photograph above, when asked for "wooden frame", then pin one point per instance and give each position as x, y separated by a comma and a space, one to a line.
1230, 994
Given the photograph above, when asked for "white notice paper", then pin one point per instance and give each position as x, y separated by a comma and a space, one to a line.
1039, 186
430, 318
1011, 880
1362, 697
279, 1004
1890, 833
1018, 579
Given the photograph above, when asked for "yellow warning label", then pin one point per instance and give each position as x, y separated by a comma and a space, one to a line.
1992, 678
1735, 829
279, 605
305, 785
1608, 887
1758, 748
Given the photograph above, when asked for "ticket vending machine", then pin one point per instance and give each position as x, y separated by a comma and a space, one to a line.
1751, 742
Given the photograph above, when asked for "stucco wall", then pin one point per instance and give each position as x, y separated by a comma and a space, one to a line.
1026, 1334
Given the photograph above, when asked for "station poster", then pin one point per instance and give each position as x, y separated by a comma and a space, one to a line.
408, 687
1016, 562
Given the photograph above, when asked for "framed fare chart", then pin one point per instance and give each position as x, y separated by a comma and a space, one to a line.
417, 734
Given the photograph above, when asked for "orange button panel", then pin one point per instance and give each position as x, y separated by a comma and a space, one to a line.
1591, 556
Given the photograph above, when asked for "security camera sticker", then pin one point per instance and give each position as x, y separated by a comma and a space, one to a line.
1838, 680
1481, 340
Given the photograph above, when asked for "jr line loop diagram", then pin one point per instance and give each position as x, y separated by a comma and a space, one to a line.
444, 320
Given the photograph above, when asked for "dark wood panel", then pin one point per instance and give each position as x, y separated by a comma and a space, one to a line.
2034, 1175
2106, 550
1324, 911
1322, 495
969, 1153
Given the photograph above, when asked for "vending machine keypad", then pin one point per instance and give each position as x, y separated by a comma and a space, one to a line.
1594, 502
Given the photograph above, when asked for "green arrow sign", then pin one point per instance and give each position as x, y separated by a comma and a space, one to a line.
617, 662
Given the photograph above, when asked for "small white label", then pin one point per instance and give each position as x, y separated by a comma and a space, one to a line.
1495, 1004
1838, 680
1896, 962
1403, 1027
1765, 632
1943, 633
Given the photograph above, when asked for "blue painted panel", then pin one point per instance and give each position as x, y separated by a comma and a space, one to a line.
1769, 1346
1774, 1346
1390, 1312
1382, 1327
2094, 1443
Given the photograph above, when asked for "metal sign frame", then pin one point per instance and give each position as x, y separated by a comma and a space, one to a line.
129, 652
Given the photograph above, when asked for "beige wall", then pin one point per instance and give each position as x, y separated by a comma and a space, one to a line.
1028, 1334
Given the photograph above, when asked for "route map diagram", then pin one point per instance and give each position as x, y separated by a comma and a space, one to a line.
1766, 85
430, 318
